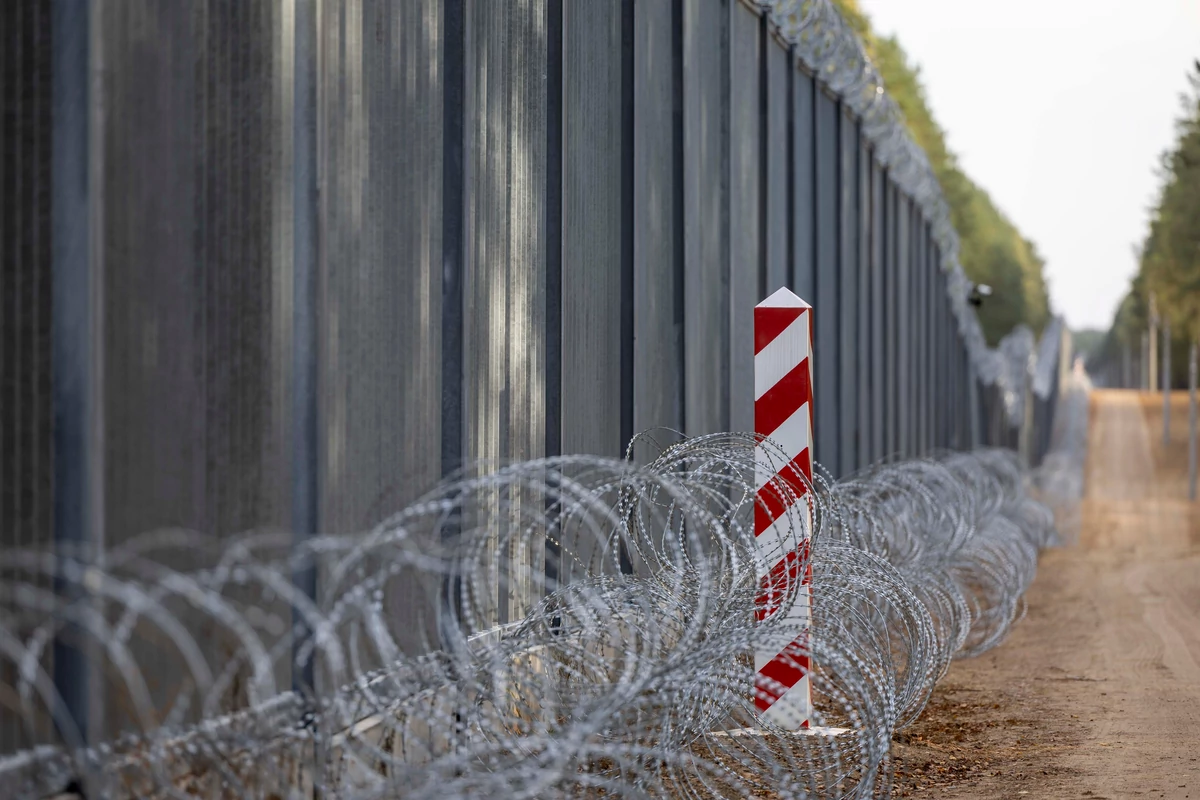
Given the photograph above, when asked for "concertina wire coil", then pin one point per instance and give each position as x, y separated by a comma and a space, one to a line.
572, 624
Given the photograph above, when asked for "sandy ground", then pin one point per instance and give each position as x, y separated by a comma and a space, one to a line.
1096, 693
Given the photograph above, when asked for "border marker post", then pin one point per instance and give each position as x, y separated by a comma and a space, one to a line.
783, 401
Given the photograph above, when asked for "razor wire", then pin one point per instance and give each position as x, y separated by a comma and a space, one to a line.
585, 625
831, 50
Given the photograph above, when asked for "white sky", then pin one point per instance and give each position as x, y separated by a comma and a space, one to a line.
1060, 110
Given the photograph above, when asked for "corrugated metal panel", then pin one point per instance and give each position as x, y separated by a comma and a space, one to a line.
918, 321
917, 299
658, 219
779, 120
25, 289
937, 389
804, 186
930, 333
380, 118
848, 341
904, 325
592, 217
891, 275
380, 125
905, 291
958, 411
26, 444
931, 337
706, 210
879, 314
912, 302
746, 256
948, 412
938, 353
195, 391
961, 429
505, 297
944, 393
865, 338
826, 348
187, 158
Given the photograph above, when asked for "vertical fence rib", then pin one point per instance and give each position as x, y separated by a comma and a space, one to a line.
627, 320
554, 261
678, 220
76, 338
627, 228
306, 346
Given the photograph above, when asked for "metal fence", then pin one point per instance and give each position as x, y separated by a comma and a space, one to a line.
284, 265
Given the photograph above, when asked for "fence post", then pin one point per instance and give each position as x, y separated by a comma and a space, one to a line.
1166, 381
1192, 422
1144, 382
1152, 346
782, 518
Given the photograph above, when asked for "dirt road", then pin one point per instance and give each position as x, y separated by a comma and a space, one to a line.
1096, 693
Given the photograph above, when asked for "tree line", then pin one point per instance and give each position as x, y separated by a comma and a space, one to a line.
1169, 257
992, 250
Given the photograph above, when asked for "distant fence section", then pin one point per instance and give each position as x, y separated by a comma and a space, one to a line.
286, 265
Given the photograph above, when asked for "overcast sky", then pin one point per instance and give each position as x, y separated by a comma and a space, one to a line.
1060, 110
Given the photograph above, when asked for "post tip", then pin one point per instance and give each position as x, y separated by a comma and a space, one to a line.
783, 298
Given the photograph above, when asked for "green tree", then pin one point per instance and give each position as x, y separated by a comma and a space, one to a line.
991, 249
1169, 258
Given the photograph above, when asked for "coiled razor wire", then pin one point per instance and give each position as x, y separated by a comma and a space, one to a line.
547, 629
832, 51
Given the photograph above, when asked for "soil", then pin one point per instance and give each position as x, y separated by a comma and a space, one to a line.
1096, 692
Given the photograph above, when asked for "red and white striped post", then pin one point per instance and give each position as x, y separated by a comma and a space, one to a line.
783, 402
